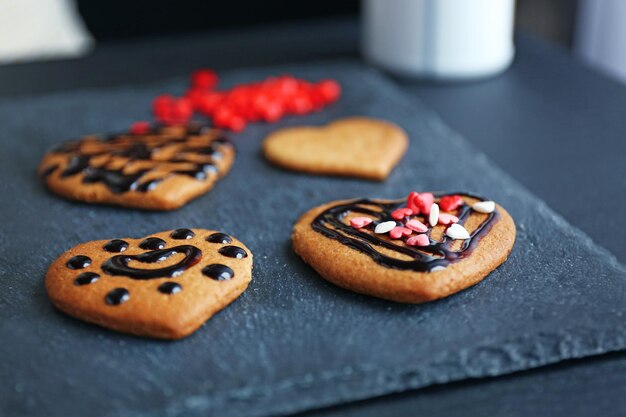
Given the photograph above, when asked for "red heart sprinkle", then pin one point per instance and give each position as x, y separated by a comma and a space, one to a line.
140, 128
450, 202
204, 79
330, 90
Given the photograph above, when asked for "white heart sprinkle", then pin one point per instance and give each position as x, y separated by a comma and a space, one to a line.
384, 227
433, 217
456, 231
484, 206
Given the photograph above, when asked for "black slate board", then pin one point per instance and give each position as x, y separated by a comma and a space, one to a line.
292, 341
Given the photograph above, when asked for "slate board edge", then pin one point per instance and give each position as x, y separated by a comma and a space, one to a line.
367, 382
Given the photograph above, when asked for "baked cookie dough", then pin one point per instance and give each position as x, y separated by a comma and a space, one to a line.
413, 250
165, 285
356, 147
159, 169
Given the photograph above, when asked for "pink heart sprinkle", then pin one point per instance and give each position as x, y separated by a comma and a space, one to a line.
397, 232
445, 218
358, 222
401, 213
427, 201
419, 240
416, 225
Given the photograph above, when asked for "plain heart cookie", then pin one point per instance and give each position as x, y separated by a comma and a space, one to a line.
160, 168
418, 249
356, 147
165, 285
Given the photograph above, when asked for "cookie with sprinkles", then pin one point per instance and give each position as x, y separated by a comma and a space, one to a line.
421, 248
361, 147
148, 167
165, 285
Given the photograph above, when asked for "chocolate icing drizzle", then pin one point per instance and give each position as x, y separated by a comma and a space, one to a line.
118, 265
438, 254
123, 161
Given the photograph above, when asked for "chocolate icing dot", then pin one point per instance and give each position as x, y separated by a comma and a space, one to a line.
170, 288
78, 262
218, 272
182, 234
117, 296
152, 243
116, 245
86, 278
219, 238
233, 252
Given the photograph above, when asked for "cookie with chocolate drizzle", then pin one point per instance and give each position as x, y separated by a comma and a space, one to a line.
165, 285
413, 250
159, 169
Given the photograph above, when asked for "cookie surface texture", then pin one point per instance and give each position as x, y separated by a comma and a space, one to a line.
388, 248
165, 285
356, 146
161, 169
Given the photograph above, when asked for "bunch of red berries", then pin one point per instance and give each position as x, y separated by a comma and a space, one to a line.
268, 100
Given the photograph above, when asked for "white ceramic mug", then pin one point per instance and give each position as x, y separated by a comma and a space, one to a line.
441, 39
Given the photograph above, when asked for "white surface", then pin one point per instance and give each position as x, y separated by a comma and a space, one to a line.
439, 38
601, 35
39, 29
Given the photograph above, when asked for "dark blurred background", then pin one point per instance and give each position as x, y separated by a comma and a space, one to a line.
116, 20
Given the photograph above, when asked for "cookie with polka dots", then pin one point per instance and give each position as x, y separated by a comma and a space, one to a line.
165, 285
149, 167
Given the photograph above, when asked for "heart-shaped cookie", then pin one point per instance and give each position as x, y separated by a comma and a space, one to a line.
405, 250
355, 146
161, 168
164, 285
